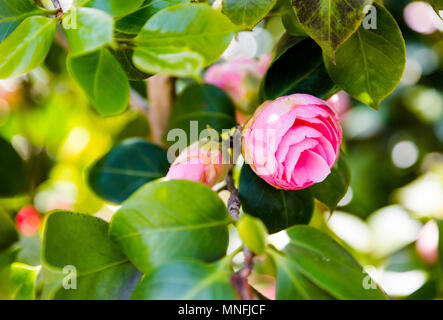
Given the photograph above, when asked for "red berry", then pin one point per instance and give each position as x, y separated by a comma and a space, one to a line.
28, 221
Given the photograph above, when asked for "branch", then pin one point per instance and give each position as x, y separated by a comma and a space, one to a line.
234, 202
240, 279
161, 92
234, 199
56, 4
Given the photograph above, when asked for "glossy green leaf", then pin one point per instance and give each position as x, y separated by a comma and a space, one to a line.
297, 69
253, 232
114, 7
137, 127
82, 241
330, 22
103, 80
7, 258
185, 280
369, 66
328, 265
205, 103
180, 40
126, 168
334, 188
27, 46
93, 29
168, 60
247, 13
278, 209
8, 233
290, 20
12, 13
134, 22
171, 220
124, 57
293, 285
13, 172
23, 278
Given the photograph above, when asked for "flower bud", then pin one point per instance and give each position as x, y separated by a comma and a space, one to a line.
293, 141
200, 162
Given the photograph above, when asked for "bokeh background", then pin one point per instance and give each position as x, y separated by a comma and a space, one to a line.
386, 218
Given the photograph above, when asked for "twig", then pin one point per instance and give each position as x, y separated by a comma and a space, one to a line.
234, 199
161, 92
56, 4
234, 202
240, 279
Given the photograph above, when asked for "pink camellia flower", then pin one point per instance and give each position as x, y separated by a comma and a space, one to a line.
200, 162
293, 141
240, 78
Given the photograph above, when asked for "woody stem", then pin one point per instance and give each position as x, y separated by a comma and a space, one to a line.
240, 279
56, 4
234, 199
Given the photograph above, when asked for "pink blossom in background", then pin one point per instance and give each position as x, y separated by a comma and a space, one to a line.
427, 242
240, 78
293, 141
200, 163
263, 63
341, 102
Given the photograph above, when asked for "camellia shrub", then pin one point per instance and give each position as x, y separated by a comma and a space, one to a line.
236, 150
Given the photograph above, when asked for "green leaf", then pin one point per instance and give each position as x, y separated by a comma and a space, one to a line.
82, 241
334, 188
185, 280
103, 80
23, 278
27, 46
253, 232
437, 5
247, 13
180, 40
7, 258
126, 168
134, 22
205, 103
330, 22
136, 127
124, 57
278, 209
369, 66
8, 233
330, 267
292, 284
290, 20
168, 60
12, 13
299, 68
93, 29
13, 173
115, 7
171, 220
